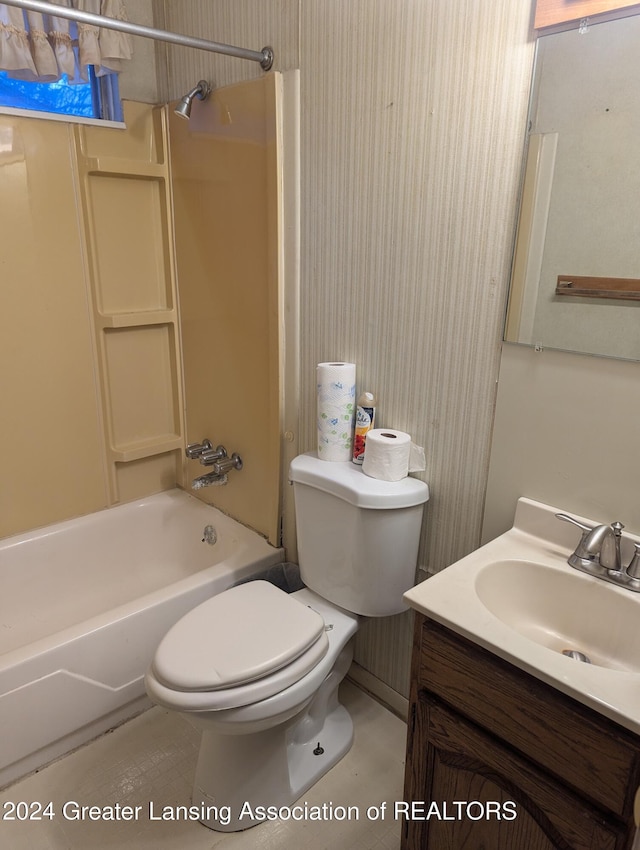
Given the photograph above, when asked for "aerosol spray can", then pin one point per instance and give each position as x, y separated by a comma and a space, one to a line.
365, 419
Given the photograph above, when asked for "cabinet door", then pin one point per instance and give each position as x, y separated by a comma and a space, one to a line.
551, 12
470, 776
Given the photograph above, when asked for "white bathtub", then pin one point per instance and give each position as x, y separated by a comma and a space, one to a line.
83, 605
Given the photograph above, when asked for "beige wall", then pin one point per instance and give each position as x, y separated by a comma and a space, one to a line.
566, 433
139, 80
412, 121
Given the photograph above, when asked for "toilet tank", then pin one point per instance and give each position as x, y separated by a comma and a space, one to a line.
357, 536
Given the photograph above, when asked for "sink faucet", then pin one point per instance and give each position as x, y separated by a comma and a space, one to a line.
598, 553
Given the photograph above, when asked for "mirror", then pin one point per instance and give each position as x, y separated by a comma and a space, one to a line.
575, 282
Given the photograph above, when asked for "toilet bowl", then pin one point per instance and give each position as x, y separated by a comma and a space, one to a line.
267, 740
257, 670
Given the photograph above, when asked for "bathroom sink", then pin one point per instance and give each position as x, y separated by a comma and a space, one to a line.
517, 597
564, 611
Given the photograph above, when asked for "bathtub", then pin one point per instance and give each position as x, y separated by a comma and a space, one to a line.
84, 604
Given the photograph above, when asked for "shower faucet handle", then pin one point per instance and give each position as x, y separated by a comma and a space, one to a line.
226, 464
194, 450
210, 456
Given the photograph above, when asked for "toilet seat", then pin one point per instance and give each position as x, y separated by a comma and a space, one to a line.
238, 647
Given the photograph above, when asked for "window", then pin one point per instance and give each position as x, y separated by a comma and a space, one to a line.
51, 64
99, 97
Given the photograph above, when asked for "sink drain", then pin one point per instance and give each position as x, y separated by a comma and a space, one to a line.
577, 656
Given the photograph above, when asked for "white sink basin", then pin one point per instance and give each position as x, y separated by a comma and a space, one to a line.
564, 610
518, 597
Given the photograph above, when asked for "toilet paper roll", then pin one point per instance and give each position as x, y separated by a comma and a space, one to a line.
390, 455
336, 384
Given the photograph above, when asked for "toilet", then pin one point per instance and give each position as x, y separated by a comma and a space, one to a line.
257, 669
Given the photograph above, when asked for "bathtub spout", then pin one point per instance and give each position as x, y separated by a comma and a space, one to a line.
209, 480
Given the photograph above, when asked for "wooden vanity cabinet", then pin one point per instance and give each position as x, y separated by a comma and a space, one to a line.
487, 740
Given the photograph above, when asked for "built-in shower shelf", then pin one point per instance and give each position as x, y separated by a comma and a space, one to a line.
117, 167
126, 198
136, 320
146, 448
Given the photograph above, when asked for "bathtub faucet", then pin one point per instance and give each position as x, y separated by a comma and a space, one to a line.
209, 480
204, 452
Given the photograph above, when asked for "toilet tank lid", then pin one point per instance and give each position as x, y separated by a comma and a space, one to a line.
347, 481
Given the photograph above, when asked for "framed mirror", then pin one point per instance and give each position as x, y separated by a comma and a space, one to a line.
575, 282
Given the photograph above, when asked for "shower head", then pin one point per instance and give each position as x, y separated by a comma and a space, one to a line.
201, 91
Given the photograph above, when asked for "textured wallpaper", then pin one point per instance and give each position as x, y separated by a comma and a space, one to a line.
412, 123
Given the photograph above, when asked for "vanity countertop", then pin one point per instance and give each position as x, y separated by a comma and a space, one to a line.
518, 597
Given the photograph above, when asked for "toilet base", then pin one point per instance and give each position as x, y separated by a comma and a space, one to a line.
242, 780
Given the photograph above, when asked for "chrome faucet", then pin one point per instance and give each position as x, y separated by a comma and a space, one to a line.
196, 450
598, 554
217, 458
226, 464
209, 480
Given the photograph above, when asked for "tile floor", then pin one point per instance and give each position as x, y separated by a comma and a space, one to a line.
152, 759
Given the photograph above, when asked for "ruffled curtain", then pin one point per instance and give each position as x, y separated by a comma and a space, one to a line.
41, 47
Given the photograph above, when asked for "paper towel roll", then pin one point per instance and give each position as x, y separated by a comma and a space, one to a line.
390, 455
336, 384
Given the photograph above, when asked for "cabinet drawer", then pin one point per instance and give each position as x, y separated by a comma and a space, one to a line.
582, 748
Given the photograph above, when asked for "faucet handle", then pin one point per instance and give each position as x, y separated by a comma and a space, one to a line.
567, 518
582, 551
633, 570
209, 457
599, 545
226, 464
194, 450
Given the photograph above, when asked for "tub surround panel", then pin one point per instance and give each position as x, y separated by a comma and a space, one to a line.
138, 478
224, 164
51, 445
116, 263
89, 336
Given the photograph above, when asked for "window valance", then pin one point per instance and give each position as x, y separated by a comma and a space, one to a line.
41, 47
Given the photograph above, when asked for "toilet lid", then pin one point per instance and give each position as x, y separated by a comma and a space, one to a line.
236, 637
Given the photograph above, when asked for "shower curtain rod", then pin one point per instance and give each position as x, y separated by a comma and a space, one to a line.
264, 56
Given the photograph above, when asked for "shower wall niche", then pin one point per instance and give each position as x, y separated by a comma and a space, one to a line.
126, 201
